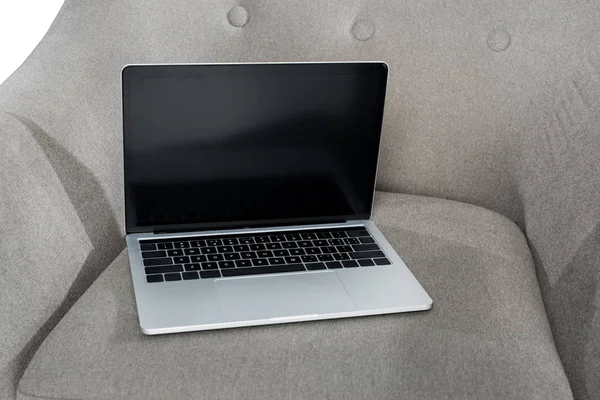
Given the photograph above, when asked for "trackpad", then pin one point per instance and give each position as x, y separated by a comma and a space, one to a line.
277, 296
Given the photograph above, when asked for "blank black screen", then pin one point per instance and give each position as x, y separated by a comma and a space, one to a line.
210, 146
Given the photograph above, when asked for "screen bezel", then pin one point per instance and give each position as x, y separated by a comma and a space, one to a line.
140, 70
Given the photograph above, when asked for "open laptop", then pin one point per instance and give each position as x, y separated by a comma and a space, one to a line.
248, 193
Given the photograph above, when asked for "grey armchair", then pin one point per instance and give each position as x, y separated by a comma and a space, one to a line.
489, 188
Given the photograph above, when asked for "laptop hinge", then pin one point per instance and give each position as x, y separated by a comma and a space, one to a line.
244, 226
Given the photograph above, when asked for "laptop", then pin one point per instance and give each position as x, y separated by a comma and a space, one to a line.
248, 195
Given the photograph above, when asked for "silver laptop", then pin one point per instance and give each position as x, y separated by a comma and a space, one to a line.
248, 193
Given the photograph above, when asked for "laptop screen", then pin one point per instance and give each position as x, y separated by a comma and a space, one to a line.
240, 145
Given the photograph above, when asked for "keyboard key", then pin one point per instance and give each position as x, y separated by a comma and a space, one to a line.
172, 277
175, 253
308, 236
226, 264
277, 261
248, 254
243, 263
336, 242
351, 241
350, 264
293, 237
382, 261
232, 256
191, 252
147, 247
313, 250
358, 233
157, 261
241, 247
246, 240
346, 249
315, 266
292, 260
366, 240
281, 253
308, 259
323, 235
263, 270
230, 242
198, 243
277, 238
258, 246
163, 270
214, 242
319, 243
273, 246
364, 247
215, 257
181, 245
341, 256
210, 274
208, 250
289, 245
197, 259
264, 254
154, 278
328, 249
154, 254
339, 234
181, 260
260, 262
225, 249
367, 262
366, 254
164, 246
297, 252
262, 239
210, 265
192, 267
189, 276
325, 257
305, 243
333, 264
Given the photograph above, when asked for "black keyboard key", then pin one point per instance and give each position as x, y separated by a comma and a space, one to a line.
147, 246
191, 252
230, 242
210, 265
243, 263
214, 242
366, 240
258, 246
226, 264
323, 235
192, 267
248, 254
346, 249
292, 260
215, 257
320, 243
351, 241
289, 245
297, 252
366, 254
273, 246
163, 270
225, 249
336, 242
366, 262
260, 262
364, 247
325, 257
164, 246
293, 237
339, 234
154, 278
264, 254
281, 253
181, 260
358, 233
264, 270
308, 236
308, 259
262, 239
198, 243
175, 253
277, 261
208, 250
382, 261
210, 274
246, 240
328, 250
341, 256
312, 250
232, 256
241, 247
181, 245
333, 264
172, 277
277, 238
350, 264
187, 276
315, 266
305, 243
197, 259
157, 261
154, 254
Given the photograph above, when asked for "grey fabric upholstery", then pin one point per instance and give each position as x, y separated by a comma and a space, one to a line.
486, 337
560, 185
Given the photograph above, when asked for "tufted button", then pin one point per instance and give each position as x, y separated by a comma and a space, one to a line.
498, 39
238, 16
363, 29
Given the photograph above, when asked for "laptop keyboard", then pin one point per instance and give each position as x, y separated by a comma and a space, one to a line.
219, 256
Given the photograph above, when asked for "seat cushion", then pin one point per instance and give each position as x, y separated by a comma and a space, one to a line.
486, 336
